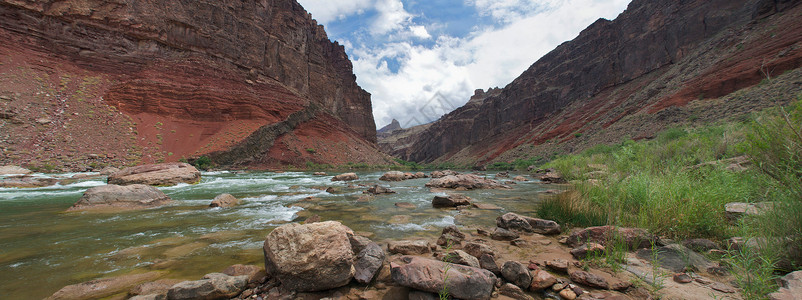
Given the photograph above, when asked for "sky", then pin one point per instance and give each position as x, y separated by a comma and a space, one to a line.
421, 59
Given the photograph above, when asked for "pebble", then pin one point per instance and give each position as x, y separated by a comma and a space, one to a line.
682, 278
568, 294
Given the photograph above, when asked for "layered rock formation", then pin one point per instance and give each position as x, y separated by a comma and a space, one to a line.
172, 79
656, 65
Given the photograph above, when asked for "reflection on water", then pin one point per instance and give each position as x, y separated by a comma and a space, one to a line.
44, 249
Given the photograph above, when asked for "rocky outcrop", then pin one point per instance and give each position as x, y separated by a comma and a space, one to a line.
430, 275
120, 197
194, 79
632, 76
513, 221
464, 181
387, 130
310, 257
160, 175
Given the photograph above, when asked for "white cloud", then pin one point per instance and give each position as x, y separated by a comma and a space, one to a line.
454, 66
420, 32
325, 11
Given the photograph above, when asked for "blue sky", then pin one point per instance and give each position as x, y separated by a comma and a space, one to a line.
421, 59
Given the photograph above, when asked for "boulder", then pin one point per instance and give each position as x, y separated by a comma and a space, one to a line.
393, 176
440, 174
737, 210
158, 287
550, 176
408, 176
310, 257
104, 287
108, 171
320, 174
15, 170
520, 178
159, 174
452, 200
503, 175
368, 263
358, 242
118, 197
254, 273
567, 294
409, 247
464, 181
682, 278
501, 234
345, 177
477, 249
589, 279
676, 257
513, 221
634, 238
700, 245
378, 190
26, 181
582, 251
462, 258
430, 276
558, 265
514, 292
451, 235
224, 200
487, 262
419, 175
790, 287
212, 286
516, 273
541, 280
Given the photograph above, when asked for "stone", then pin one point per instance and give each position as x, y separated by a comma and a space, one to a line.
393, 176
26, 181
558, 265
430, 276
682, 278
224, 201
516, 273
513, 221
99, 288
464, 181
108, 171
117, 197
582, 251
358, 242
444, 173
158, 287
589, 279
487, 262
790, 287
541, 280
700, 245
14, 170
676, 258
368, 263
513, 291
520, 178
452, 200
551, 176
501, 234
166, 174
567, 294
320, 174
419, 175
310, 257
462, 258
378, 190
724, 288
634, 238
409, 247
477, 249
405, 205
211, 286
737, 210
450, 235
345, 177
254, 273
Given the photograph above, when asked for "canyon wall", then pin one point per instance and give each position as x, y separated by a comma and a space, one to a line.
624, 79
177, 78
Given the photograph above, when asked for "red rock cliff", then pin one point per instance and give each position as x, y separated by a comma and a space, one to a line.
624, 79
180, 79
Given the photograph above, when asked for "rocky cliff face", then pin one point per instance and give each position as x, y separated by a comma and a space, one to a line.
174, 78
624, 79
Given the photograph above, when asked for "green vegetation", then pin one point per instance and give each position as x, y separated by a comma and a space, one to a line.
677, 185
202, 163
311, 150
518, 164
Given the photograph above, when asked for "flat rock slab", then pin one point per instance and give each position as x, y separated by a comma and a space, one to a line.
676, 258
465, 181
429, 275
119, 197
104, 287
159, 175
212, 286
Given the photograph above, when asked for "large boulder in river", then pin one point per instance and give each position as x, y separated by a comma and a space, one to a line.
345, 177
26, 181
430, 275
16, 170
120, 197
440, 174
224, 200
393, 176
310, 257
513, 221
465, 181
452, 200
159, 174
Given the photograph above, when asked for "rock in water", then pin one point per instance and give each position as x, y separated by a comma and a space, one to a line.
466, 181
212, 286
104, 287
119, 197
224, 200
26, 181
393, 176
310, 257
378, 190
452, 200
428, 275
158, 174
345, 177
